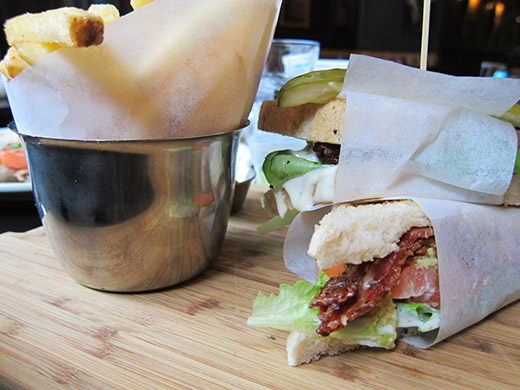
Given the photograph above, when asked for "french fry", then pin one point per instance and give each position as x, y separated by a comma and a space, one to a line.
31, 36
67, 26
139, 3
108, 12
12, 64
4, 71
31, 52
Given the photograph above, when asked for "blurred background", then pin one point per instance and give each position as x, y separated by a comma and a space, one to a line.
463, 33
467, 37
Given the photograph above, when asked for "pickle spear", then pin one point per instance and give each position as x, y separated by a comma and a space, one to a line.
319, 86
512, 115
322, 86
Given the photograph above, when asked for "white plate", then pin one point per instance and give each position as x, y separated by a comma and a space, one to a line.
7, 136
12, 189
6, 188
16, 192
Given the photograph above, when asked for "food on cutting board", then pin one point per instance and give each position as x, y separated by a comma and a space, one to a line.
389, 271
379, 276
308, 107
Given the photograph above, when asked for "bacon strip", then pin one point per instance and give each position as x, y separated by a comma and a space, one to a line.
362, 287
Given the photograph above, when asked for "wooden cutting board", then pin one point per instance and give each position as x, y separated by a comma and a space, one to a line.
57, 334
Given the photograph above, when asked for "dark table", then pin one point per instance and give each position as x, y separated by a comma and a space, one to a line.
18, 212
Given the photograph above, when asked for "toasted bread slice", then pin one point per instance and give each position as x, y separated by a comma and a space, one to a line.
270, 201
324, 123
355, 234
512, 195
306, 348
312, 122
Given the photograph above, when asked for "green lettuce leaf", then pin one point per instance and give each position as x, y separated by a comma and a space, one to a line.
420, 315
428, 260
377, 328
277, 222
289, 310
284, 165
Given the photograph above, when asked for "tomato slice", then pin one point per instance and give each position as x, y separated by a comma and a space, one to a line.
418, 284
337, 270
13, 158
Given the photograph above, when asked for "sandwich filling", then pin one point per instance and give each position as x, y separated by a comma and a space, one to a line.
312, 106
298, 180
379, 279
281, 166
361, 287
371, 251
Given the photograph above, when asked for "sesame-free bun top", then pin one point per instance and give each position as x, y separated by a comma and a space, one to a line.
355, 234
311, 121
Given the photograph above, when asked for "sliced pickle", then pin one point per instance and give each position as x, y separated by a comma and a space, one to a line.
319, 86
335, 74
512, 115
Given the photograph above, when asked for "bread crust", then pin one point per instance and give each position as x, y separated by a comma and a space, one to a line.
324, 123
269, 201
512, 195
312, 122
354, 234
306, 348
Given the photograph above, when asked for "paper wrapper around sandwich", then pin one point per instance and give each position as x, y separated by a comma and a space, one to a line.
173, 68
478, 252
409, 131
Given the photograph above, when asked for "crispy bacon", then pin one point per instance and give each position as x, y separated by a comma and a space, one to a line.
327, 153
362, 287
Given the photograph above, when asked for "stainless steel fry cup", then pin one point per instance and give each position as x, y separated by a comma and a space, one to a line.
133, 216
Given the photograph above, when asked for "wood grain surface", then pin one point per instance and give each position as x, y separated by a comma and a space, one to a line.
57, 334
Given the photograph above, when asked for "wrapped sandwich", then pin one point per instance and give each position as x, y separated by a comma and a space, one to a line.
390, 139
420, 270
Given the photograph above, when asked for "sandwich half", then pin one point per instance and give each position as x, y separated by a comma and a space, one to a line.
301, 179
379, 278
306, 177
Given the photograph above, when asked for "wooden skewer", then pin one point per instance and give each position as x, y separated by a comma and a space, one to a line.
425, 34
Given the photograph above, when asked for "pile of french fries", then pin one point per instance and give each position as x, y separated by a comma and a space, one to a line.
32, 36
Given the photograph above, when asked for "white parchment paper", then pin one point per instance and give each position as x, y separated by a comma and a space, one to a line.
409, 131
479, 260
172, 68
